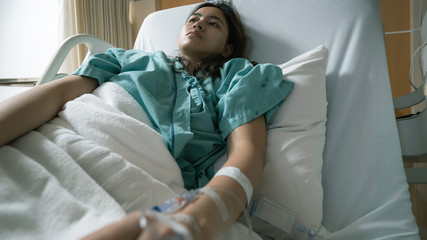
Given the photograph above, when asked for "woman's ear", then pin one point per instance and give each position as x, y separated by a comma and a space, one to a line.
228, 50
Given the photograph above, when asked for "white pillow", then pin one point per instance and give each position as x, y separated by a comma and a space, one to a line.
295, 141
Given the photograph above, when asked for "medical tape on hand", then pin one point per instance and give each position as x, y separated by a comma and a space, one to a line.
167, 220
188, 219
218, 202
240, 177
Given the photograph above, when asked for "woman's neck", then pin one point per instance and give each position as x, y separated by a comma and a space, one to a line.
191, 64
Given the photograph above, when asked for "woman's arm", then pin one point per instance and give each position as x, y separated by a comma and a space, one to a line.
30, 109
246, 151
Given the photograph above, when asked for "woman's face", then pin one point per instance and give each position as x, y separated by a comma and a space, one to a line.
205, 33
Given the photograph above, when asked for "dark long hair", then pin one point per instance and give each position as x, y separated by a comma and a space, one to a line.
209, 67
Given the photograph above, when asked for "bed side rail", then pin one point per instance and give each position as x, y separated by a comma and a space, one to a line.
93, 44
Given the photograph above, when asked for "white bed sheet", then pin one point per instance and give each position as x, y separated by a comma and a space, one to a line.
365, 190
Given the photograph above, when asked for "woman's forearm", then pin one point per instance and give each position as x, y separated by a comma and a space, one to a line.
246, 151
29, 110
207, 213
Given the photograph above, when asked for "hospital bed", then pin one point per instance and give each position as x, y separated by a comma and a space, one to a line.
334, 161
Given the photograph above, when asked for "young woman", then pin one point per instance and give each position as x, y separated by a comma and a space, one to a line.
206, 101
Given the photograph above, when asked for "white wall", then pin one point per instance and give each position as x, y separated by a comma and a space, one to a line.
138, 11
29, 37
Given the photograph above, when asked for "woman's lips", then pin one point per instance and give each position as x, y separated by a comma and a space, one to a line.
194, 33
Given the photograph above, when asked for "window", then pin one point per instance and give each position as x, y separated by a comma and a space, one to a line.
29, 37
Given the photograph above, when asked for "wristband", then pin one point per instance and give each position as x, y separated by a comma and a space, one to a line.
218, 202
240, 177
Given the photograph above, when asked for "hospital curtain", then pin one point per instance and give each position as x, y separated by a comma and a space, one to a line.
105, 19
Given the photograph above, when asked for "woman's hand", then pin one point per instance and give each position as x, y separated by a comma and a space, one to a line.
129, 229
125, 229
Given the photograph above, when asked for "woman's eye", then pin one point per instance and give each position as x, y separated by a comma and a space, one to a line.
213, 24
191, 20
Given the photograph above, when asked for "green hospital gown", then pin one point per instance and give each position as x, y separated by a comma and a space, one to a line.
194, 118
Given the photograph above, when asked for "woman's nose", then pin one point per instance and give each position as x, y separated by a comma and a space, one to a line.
198, 26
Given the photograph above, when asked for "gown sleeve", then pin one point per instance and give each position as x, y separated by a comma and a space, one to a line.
102, 66
247, 92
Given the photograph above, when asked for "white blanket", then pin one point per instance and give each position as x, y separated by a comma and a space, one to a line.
96, 161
